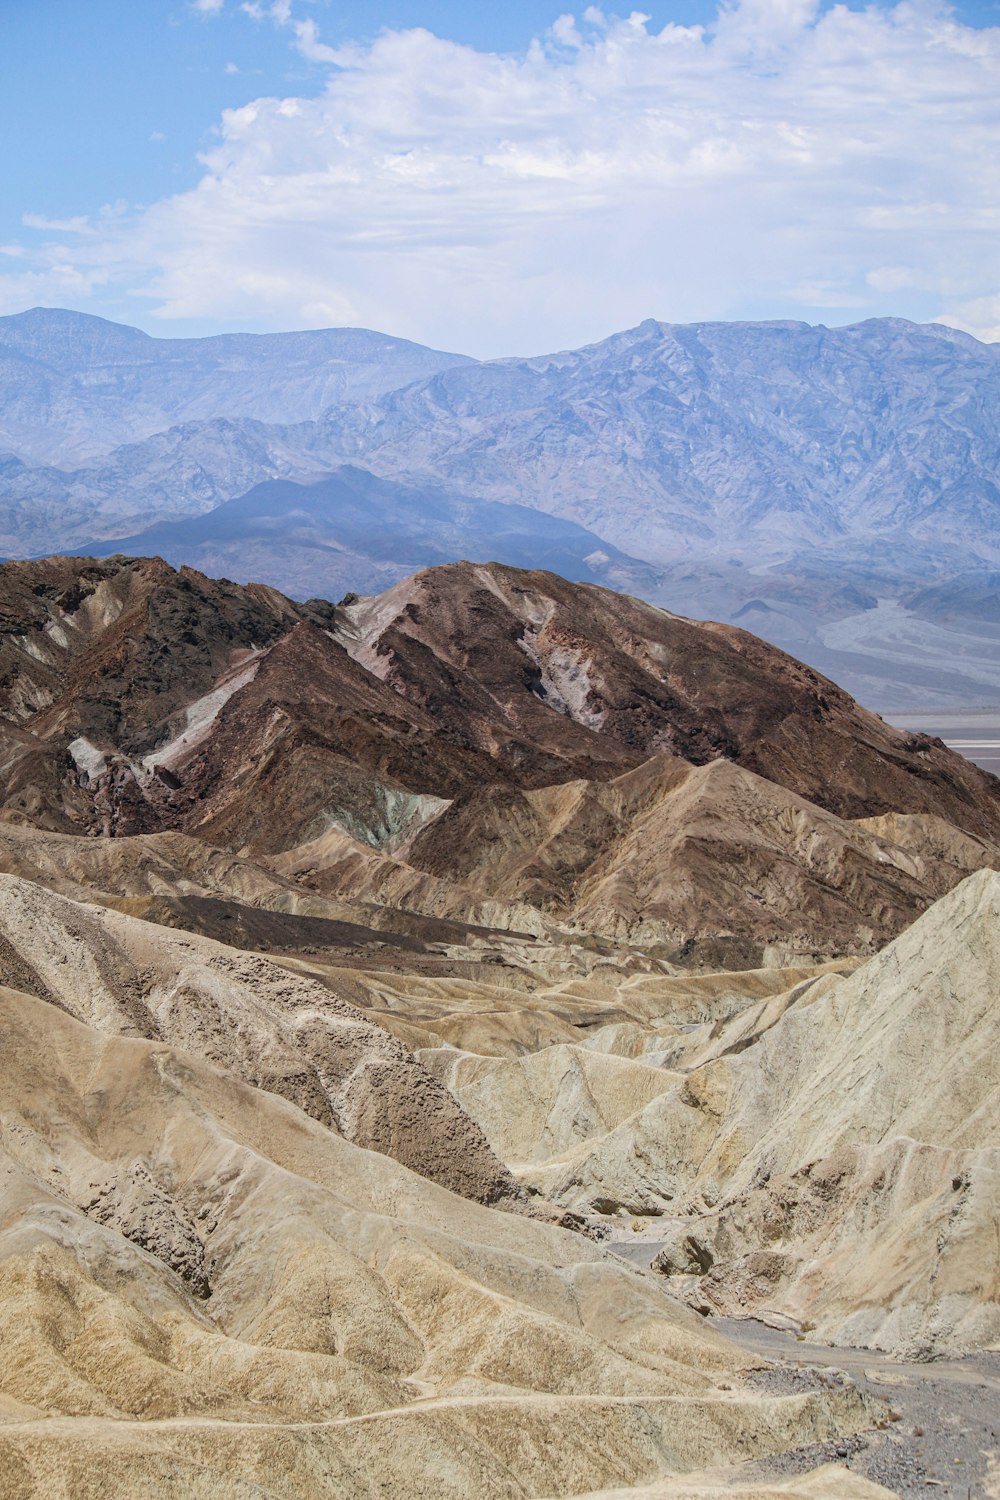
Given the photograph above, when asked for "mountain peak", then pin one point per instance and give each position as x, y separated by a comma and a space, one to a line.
59, 333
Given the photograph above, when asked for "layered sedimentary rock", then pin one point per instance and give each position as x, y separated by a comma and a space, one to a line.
818, 1147
525, 740
204, 1291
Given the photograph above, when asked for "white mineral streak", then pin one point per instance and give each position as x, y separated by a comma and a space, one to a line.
565, 680
89, 761
200, 716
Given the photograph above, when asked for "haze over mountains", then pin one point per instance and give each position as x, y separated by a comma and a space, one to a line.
836, 489
76, 386
348, 529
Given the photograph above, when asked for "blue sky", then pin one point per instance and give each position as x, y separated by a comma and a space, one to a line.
109, 100
500, 180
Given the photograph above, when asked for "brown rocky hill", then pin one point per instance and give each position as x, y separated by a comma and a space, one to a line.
527, 740
474, 643
682, 855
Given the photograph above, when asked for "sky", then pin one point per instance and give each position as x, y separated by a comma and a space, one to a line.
504, 178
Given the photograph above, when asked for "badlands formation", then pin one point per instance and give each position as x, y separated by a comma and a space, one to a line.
423, 1016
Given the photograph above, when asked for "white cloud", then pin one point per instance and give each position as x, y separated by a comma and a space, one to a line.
80, 224
279, 11
308, 42
784, 162
58, 285
980, 316
208, 7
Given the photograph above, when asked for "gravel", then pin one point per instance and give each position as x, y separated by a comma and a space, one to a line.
942, 1419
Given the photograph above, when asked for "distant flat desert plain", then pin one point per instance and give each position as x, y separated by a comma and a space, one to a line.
973, 732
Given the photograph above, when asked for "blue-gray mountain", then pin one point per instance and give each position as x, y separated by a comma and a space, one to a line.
350, 531
754, 437
74, 387
807, 481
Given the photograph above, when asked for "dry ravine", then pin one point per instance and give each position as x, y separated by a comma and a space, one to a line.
433, 1024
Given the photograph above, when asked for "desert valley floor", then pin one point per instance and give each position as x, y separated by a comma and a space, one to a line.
974, 732
490, 1039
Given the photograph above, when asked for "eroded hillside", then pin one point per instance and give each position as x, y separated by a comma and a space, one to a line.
423, 1014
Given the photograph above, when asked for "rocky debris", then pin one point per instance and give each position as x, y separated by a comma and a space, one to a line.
935, 1427
132, 1202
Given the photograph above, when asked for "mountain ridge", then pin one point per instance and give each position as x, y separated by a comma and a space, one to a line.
349, 531
804, 473
497, 731
80, 369
851, 407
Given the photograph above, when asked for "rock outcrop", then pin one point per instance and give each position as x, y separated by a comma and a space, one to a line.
280, 1032
510, 742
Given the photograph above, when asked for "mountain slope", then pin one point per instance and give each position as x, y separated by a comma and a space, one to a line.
877, 1174
350, 531
75, 386
764, 438
823, 1150
205, 1292
500, 741
506, 857
597, 664
712, 861
512, 676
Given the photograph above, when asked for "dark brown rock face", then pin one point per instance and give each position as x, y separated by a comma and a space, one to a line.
135, 698
477, 643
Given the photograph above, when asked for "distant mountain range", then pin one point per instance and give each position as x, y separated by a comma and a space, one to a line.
347, 531
837, 490
76, 387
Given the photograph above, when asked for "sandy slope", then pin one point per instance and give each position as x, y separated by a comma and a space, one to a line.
870, 1193
280, 1032
827, 1150
828, 1483
609, 1084
205, 1292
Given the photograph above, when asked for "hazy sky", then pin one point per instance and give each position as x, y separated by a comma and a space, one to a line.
499, 178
